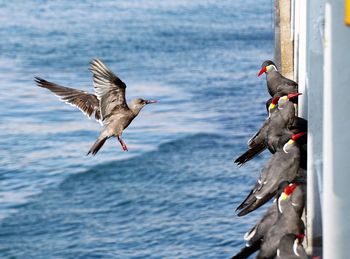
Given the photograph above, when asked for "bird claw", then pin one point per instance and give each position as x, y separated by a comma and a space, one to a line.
124, 147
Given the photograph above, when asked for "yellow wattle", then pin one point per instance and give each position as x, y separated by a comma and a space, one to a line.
284, 196
272, 106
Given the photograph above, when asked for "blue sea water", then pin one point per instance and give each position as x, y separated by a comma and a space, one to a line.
173, 194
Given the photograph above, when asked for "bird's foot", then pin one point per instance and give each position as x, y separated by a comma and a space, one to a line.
124, 147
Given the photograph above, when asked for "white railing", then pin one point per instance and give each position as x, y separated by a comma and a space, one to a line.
322, 69
308, 67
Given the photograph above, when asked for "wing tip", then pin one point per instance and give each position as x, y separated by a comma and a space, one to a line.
97, 65
39, 81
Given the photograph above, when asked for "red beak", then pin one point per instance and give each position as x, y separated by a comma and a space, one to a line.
275, 100
290, 188
292, 95
298, 135
263, 70
300, 237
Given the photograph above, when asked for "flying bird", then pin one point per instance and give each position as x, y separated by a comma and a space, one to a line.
277, 84
108, 104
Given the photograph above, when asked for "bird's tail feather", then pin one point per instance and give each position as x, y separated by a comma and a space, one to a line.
250, 153
247, 251
253, 203
97, 145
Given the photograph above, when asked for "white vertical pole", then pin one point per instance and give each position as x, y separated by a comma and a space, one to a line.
314, 94
336, 139
296, 9
301, 61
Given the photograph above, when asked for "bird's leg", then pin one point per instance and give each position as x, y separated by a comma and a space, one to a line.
124, 147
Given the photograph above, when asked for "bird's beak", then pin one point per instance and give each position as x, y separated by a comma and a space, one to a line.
263, 70
151, 101
300, 237
288, 190
292, 95
298, 135
292, 141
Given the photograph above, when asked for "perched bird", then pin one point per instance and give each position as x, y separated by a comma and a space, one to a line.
277, 85
282, 121
290, 247
282, 166
293, 195
108, 104
281, 118
288, 221
257, 143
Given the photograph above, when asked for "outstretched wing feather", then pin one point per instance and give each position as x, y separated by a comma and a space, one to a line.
86, 102
110, 90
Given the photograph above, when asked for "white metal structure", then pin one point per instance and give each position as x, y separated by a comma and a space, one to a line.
336, 140
322, 69
308, 66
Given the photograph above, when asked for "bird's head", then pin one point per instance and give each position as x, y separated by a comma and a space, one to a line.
137, 104
273, 105
288, 190
267, 66
291, 142
285, 190
298, 240
292, 97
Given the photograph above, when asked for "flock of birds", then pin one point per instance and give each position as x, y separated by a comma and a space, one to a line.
280, 232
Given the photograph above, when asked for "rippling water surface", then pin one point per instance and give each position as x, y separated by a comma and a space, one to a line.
172, 195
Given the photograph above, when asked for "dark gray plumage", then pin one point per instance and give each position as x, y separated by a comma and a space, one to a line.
278, 123
294, 196
282, 166
296, 199
108, 103
288, 221
277, 84
290, 247
254, 236
257, 143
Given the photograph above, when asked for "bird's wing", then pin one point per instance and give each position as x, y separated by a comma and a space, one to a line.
260, 136
250, 153
110, 90
288, 81
281, 167
287, 86
86, 102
